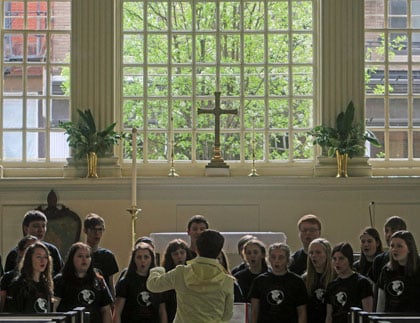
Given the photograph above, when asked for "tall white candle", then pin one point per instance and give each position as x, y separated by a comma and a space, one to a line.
134, 169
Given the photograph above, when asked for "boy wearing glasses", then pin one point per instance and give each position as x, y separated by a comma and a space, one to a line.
102, 259
309, 227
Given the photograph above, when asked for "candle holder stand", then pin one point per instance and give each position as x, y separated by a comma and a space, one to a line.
253, 170
134, 211
172, 171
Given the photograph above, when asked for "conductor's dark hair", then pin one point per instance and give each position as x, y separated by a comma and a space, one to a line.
210, 243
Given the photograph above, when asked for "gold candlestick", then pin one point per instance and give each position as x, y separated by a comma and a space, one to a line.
134, 211
172, 171
253, 170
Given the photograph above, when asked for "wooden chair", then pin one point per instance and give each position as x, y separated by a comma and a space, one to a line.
64, 225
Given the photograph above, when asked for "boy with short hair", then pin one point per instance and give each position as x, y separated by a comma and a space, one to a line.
204, 290
35, 223
309, 227
196, 225
102, 258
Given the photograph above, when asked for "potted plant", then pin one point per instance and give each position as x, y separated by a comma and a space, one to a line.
87, 142
346, 140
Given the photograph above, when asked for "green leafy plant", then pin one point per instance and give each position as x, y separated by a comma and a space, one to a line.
347, 137
84, 138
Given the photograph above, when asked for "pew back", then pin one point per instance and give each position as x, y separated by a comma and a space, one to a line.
60, 317
33, 318
393, 319
356, 315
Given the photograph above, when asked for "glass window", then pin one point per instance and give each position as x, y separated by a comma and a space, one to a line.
392, 75
259, 54
35, 38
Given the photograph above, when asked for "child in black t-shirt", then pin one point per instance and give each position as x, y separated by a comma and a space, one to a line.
255, 256
319, 274
370, 247
9, 276
176, 253
80, 285
278, 295
348, 289
399, 282
31, 290
134, 302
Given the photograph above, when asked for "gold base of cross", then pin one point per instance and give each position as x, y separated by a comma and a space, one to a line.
217, 163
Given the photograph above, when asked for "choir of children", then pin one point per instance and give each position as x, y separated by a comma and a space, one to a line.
331, 282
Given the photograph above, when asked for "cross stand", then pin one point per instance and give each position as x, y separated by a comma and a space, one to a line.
217, 160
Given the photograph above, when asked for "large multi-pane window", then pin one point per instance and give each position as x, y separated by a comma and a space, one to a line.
35, 88
259, 54
392, 50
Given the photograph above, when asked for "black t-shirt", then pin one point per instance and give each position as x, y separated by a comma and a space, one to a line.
245, 278
365, 269
299, 262
279, 297
378, 263
238, 268
5, 283
345, 293
317, 308
57, 261
402, 293
85, 292
28, 297
1, 268
169, 297
104, 260
141, 305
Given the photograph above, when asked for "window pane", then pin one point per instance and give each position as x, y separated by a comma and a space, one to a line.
416, 144
374, 13
60, 111
12, 145
59, 147
398, 113
12, 113
416, 113
36, 80
375, 112
14, 15
35, 114
35, 146
398, 144
59, 48
12, 80
279, 146
60, 15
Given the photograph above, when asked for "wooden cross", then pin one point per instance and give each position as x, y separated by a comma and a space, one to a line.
217, 111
